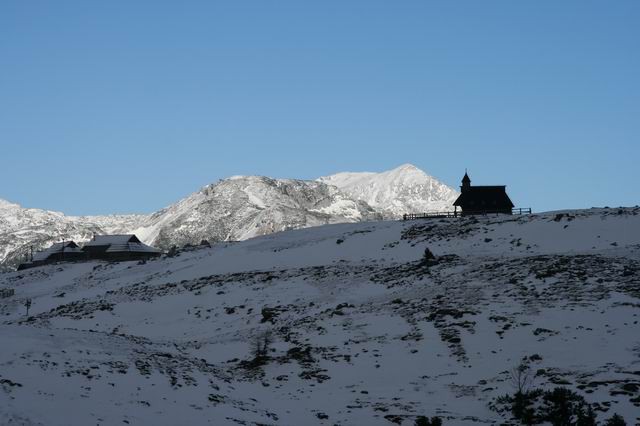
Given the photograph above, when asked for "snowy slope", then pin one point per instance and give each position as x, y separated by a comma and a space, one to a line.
405, 189
363, 332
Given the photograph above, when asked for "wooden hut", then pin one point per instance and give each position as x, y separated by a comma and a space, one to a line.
65, 251
119, 248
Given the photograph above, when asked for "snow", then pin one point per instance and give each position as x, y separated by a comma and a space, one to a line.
4, 204
163, 342
255, 199
249, 206
405, 189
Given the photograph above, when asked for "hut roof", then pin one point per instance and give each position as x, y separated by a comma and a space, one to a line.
65, 246
106, 240
120, 243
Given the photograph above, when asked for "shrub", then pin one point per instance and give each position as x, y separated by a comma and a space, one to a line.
424, 421
615, 420
587, 418
522, 406
562, 407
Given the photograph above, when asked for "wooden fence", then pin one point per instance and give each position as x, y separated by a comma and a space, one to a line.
6, 292
449, 214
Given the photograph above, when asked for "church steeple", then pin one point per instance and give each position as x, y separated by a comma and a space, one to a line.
466, 182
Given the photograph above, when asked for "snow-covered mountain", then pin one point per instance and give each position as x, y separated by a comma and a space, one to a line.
243, 207
338, 324
405, 189
236, 209
22, 228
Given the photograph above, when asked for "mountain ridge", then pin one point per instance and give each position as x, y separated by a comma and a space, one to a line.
235, 208
249, 206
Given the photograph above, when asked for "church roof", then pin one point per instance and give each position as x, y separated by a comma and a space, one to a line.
484, 197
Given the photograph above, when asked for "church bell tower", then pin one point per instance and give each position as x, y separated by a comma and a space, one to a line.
466, 182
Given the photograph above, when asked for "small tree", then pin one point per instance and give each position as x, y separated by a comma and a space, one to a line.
260, 346
521, 378
428, 258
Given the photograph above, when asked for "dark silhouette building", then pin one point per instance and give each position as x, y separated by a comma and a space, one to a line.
113, 248
482, 199
65, 251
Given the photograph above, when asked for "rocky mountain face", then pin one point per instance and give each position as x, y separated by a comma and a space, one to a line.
405, 189
248, 206
345, 324
235, 209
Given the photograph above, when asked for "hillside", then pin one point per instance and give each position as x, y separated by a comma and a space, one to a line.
362, 330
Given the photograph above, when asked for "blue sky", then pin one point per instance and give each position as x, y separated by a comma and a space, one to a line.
126, 106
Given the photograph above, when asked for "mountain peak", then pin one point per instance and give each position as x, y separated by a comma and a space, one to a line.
405, 189
7, 204
406, 167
